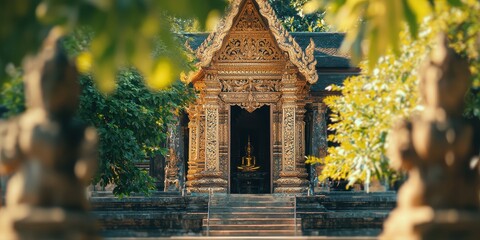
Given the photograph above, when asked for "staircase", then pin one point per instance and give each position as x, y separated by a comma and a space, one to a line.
251, 215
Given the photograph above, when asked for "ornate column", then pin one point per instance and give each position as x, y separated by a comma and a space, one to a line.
277, 140
223, 140
193, 127
292, 177
319, 135
196, 159
319, 139
211, 178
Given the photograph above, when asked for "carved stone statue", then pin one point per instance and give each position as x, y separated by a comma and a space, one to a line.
52, 156
172, 183
438, 148
248, 161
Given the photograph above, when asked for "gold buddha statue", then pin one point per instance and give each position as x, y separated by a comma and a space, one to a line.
249, 159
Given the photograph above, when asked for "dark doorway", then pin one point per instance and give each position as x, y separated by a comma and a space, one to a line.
256, 126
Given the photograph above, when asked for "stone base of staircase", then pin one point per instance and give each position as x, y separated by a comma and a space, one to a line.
251, 215
328, 214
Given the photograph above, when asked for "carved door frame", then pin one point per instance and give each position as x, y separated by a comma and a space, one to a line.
272, 164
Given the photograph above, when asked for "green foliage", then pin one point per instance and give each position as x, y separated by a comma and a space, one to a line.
372, 26
290, 13
364, 113
132, 127
371, 103
463, 27
12, 97
125, 33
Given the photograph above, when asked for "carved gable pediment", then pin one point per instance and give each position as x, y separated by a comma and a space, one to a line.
249, 39
249, 19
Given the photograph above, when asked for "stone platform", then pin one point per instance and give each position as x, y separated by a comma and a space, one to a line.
162, 215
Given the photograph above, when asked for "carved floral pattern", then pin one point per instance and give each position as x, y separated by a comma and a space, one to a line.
243, 47
303, 60
211, 138
201, 144
250, 85
250, 93
249, 19
289, 138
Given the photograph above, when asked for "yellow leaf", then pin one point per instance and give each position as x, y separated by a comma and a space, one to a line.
312, 6
162, 75
212, 20
421, 8
84, 62
105, 78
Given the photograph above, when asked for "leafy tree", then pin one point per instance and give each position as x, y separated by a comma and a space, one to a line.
131, 122
124, 33
120, 34
364, 113
372, 26
132, 127
290, 13
370, 103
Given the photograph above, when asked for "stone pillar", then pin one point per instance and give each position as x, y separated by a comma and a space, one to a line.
319, 134
193, 127
319, 140
224, 139
277, 140
292, 176
211, 178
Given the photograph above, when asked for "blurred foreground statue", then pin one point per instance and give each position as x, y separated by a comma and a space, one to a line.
439, 149
52, 157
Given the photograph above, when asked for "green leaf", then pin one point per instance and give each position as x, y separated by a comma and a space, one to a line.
411, 19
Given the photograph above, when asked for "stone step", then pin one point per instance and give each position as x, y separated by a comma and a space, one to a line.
251, 233
220, 209
253, 204
266, 215
251, 221
348, 214
252, 197
253, 227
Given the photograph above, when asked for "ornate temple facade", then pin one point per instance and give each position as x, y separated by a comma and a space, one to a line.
257, 82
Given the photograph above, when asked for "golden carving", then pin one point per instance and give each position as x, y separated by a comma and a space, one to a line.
201, 144
250, 93
249, 19
245, 47
303, 60
211, 138
250, 85
288, 138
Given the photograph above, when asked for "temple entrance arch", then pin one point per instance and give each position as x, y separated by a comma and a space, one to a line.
250, 150
250, 61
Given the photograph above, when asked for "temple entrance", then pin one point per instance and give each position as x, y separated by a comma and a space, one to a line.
250, 150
